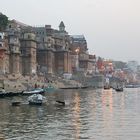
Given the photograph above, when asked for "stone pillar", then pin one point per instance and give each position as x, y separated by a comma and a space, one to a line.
14, 63
50, 62
2, 62
28, 49
67, 62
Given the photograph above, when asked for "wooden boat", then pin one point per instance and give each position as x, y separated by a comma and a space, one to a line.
2, 94
78, 87
69, 88
132, 86
119, 89
106, 87
60, 102
36, 99
16, 103
49, 89
34, 91
83, 87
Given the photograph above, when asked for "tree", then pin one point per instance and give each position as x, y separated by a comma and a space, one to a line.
3, 22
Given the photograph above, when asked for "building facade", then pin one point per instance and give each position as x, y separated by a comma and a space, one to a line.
30, 50
53, 54
82, 60
2, 53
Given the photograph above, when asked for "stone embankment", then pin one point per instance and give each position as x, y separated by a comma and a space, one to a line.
16, 83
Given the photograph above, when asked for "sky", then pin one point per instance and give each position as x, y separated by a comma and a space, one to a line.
111, 27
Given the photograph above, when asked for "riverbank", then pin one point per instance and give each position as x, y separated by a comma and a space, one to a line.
17, 83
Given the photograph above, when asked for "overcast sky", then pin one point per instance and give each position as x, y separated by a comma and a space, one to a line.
111, 27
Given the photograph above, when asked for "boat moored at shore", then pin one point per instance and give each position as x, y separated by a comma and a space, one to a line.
33, 91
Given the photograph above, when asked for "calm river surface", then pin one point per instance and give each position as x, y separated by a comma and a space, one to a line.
88, 115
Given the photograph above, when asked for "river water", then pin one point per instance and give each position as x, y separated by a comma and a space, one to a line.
88, 115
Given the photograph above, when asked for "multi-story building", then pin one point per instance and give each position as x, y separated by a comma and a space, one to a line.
21, 52
53, 55
30, 50
82, 60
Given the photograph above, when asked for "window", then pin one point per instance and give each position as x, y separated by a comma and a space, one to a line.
23, 52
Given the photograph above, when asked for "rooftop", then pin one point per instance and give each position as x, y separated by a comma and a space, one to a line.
19, 23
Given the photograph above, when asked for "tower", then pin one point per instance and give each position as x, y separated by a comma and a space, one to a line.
28, 53
14, 50
2, 53
61, 27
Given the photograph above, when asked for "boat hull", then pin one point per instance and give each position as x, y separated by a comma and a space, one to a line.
35, 103
119, 90
83, 87
41, 91
16, 103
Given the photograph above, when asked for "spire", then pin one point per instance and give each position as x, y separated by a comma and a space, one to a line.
61, 26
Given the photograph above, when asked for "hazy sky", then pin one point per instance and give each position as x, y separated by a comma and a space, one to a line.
111, 27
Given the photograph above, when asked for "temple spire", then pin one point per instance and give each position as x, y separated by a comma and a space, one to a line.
61, 26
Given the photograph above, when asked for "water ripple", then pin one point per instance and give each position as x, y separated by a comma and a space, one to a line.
88, 115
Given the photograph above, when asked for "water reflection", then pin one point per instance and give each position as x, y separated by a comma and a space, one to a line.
76, 116
88, 114
107, 108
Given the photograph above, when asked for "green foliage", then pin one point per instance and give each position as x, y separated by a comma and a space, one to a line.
3, 22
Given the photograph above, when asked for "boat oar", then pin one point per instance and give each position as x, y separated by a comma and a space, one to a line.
60, 102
